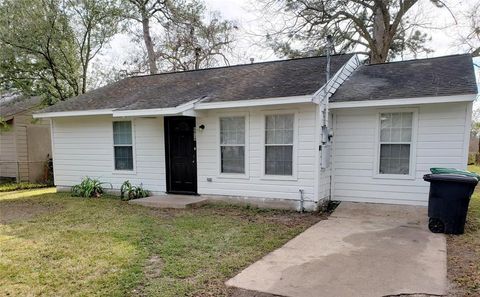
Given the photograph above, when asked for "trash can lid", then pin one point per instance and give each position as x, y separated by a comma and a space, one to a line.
440, 170
450, 178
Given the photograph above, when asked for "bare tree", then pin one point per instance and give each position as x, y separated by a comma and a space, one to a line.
381, 28
194, 43
143, 11
95, 22
471, 37
185, 38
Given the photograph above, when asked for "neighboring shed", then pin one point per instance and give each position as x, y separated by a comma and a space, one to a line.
25, 143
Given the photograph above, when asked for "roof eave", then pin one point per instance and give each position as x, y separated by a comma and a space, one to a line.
177, 110
76, 113
403, 101
255, 102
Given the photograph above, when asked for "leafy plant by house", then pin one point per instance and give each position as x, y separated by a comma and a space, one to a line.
89, 187
128, 191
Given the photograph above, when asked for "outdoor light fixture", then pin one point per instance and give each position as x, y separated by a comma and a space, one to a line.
201, 127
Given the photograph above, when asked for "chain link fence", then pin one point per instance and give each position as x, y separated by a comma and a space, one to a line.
33, 172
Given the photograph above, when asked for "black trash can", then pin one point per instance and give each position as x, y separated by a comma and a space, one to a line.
448, 201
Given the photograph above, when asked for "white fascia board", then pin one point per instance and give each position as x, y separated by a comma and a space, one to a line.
403, 101
255, 102
178, 110
77, 113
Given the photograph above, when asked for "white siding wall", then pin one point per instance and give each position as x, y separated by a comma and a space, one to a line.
441, 142
83, 146
254, 185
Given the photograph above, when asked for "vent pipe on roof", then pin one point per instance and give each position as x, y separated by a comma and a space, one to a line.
329, 48
252, 60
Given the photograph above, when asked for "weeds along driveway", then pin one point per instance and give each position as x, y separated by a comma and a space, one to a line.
55, 245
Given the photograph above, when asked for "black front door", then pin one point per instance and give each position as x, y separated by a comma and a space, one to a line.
180, 149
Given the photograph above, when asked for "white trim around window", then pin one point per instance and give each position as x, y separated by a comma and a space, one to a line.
264, 115
134, 163
412, 143
246, 146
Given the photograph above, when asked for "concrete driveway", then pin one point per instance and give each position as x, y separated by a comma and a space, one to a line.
361, 250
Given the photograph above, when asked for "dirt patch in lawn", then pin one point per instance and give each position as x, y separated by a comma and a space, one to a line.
286, 218
17, 211
152, 270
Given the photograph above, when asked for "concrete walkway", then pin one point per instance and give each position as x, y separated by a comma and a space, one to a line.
170, 201
361, 250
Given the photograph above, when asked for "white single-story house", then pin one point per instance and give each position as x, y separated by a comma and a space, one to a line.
273, 133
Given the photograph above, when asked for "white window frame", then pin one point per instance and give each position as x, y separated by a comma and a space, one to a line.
134, 169
246, 174
413, 145
264, 115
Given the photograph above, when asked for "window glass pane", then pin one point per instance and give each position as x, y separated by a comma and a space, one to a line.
396, 127
233, 159
396, 120
123, 158
395, 158
386, 120
407, 118
279, 129
232, 130
278, 160
122, 133
385, 135
406, 134
396, 135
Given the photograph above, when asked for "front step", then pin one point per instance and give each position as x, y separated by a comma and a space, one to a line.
170, 201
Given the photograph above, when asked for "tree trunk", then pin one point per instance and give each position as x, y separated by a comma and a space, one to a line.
84, 77
379, 53
152, 60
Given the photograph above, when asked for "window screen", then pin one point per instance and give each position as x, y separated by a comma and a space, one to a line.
279, 144
123, 145
395, 142
232, 144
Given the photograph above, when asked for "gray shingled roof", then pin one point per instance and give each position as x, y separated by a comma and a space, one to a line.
442, 76
18, 104
284, 78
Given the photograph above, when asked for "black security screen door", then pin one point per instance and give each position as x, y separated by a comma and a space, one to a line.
181, 155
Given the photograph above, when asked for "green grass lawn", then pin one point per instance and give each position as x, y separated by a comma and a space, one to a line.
52, 244
464, 251
20, 186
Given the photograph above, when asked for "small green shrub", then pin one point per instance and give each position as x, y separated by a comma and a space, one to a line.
129, 192
89, 187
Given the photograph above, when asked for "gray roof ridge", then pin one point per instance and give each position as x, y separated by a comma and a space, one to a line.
417, 60
238, 65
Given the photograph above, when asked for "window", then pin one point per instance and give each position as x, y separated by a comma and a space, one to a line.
279, 144
123, 145
232, 144
395, 142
